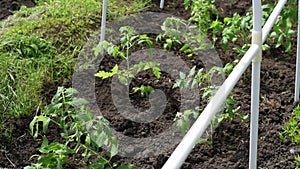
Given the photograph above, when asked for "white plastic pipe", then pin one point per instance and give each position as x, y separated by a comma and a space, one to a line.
297, 78
103, 25
186, 145
272, 18
255, 86
257, 15
162, 3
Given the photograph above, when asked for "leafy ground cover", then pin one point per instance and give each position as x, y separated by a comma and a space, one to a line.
230, 141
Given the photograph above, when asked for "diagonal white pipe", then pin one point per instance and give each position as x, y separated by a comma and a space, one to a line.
198, 128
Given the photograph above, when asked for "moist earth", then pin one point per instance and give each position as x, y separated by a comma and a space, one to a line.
7, 7
229, 146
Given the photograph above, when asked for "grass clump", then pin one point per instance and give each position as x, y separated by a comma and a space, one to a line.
38, 46
25, 63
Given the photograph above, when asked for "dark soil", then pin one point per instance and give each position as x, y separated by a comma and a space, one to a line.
7, 7
230, 141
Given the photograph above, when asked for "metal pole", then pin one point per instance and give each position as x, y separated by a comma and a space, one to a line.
162, 2
103, 25
255, 86
297, 81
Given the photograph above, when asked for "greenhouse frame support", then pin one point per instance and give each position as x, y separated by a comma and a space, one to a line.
297, 78
162, 3
255, 86
103, 26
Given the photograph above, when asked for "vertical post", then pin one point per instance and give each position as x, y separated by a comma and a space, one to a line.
255, 86
162, 3
297, 78
103, 25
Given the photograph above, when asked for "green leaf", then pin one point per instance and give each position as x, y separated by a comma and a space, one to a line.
227, 20
192, 72
225, 43
273, 35
242, 116
135, 89
99, 137
45, 142
114, 147
127, 166
97, 165
169, 43
182, 75
96, 50
46, 124
31, 125
105, 75
156, 71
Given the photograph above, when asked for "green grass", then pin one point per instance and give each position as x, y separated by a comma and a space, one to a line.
39, 45
291, 131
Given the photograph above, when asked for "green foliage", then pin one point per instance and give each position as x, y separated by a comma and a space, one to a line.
188, 81
204, 81
291, 131
182, 34
26, 62
144, 90
38, 46
76, 122
169, 42
32, 46
283, 30
297, 159
237, 28
202, 11
183, 120
129, 39
104, 74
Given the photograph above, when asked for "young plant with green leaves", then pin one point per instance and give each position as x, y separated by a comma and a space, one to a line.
201, 13
80, 131
183, 36
203, 80
236, 29
129, 39
144, 90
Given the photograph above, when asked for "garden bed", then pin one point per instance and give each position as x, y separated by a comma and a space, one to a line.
230, 141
